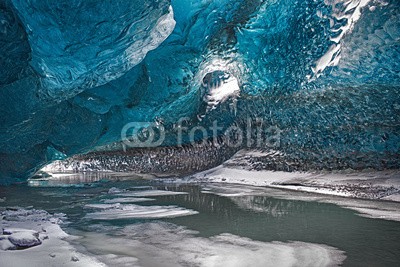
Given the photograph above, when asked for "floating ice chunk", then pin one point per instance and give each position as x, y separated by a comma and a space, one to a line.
114, 190
152, 193
127, 200
138, 212
102, 206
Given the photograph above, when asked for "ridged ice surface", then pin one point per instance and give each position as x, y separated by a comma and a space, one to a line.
77, 45
74, 73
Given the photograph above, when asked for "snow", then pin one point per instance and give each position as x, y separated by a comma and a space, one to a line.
9, 231
366, 192
54, 249
5, 244
25, 239
369, 185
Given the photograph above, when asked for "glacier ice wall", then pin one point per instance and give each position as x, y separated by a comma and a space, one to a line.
77, 45
326, 72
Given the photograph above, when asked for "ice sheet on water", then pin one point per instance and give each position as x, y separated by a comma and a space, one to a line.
152, 193
165, 244
127, 200
120, 211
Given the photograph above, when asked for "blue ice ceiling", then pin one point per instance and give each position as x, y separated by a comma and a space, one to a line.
73, 73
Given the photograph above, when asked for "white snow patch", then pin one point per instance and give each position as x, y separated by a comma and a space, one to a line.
25, 239
54, 250
317, 181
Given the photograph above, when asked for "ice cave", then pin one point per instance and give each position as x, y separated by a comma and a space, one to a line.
199, 133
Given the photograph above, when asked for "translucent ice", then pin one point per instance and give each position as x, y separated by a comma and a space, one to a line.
325, 72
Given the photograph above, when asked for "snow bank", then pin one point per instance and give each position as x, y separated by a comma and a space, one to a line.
51, 248
368, 185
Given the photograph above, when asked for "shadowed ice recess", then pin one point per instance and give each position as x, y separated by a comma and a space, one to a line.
74, 73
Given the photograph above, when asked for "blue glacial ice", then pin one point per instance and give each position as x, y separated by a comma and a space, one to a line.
326, 72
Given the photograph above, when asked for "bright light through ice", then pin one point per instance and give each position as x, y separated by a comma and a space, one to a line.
219, 86
226, 89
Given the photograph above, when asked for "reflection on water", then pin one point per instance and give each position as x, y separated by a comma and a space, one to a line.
165, 244
223, 220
